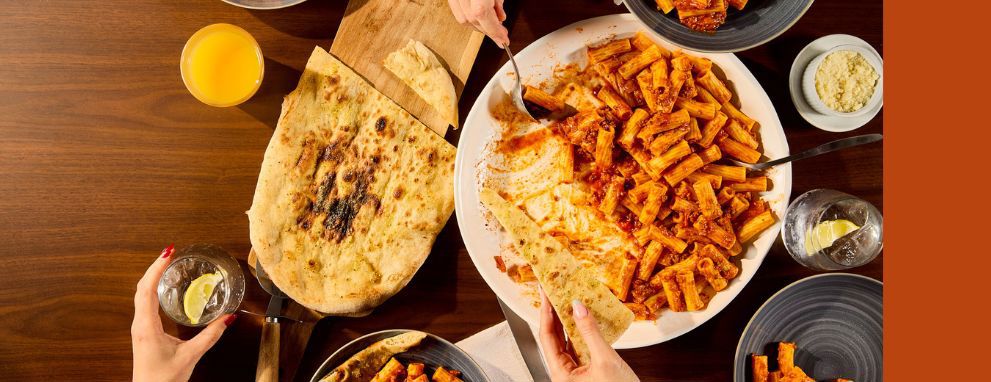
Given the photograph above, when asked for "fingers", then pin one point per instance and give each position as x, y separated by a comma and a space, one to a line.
491, 26
459, 14
598, 348
500, 10
549, 337
207, 337
484, 16
146, 296
559, 362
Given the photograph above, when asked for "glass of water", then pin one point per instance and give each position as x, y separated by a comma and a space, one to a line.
829, 230
187, 265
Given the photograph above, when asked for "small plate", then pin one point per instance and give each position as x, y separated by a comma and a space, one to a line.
810, 52
433, 351
263, 4
835, 319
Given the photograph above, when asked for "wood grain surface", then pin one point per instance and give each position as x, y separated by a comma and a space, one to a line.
105, 159
371, 29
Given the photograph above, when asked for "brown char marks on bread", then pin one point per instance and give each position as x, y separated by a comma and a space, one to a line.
340, 212
329, 199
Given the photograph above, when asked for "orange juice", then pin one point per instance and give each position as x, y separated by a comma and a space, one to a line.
222, 65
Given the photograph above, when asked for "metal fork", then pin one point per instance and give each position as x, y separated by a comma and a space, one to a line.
819, 150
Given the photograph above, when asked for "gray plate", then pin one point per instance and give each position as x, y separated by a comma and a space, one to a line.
834, 318
758, 22
263, 4
433, 351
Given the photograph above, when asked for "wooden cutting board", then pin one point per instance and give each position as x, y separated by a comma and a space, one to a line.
372, 29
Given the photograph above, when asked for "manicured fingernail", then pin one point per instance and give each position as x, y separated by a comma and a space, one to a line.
579, 308
168, 251
230, 320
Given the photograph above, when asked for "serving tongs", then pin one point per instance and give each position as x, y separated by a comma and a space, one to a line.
535, 112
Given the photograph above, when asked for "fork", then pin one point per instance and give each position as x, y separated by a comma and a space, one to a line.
819, 150
517, 92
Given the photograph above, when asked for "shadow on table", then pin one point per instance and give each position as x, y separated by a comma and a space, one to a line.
313, 19
775, 80
266, 105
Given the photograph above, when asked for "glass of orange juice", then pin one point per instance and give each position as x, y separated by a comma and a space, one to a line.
222, 65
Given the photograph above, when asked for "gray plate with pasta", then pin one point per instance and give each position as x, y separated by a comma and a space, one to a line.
758, 22
835, 319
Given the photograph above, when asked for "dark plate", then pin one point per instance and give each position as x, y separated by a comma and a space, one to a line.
834, 318
758, 22
433, 351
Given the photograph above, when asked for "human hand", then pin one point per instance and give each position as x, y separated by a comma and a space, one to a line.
159, 356
605, 365
485, 15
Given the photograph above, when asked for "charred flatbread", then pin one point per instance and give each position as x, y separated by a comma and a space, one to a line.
362, 366
560, 275
352, 192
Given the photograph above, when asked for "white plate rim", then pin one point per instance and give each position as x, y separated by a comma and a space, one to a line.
813, 117
782, 185
263, 8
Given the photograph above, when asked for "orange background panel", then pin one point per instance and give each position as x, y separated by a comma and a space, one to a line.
936, 228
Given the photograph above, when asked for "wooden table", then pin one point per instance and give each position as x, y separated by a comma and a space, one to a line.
105, 159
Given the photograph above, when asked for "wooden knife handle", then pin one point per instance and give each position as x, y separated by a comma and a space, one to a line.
268, 353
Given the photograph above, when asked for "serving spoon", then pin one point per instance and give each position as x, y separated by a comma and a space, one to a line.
517, 92
838, 144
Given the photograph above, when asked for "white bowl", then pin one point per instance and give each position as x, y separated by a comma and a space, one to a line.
809, 82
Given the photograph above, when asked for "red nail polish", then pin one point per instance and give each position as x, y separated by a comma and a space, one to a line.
168, 251
230, 320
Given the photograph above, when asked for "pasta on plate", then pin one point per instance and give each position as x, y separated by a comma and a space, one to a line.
635, 183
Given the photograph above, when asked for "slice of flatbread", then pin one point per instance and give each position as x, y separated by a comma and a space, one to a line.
362, 366
421, 70
351, 194
561, 276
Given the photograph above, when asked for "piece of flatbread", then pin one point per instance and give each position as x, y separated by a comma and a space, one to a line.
560, 275
352, 193
421, 70
362, 366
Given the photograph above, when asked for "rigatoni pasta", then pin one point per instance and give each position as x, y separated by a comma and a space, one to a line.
651, 150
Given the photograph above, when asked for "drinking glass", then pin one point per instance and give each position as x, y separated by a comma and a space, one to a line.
854, 249
190, 263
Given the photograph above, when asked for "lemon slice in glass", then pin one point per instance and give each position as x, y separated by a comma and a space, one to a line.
197, 295
825, 233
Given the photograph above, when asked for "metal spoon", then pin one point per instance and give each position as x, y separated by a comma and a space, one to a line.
819, 150
517, 91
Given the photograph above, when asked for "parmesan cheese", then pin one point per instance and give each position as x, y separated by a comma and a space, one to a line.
845, 81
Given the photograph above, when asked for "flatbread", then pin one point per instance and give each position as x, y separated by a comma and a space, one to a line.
421, 70
362, 366
561, 276
352, 193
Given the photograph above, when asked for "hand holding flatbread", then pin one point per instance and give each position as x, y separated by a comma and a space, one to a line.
421, 70
561, 277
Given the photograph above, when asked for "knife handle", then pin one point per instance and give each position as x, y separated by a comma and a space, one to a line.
268, 352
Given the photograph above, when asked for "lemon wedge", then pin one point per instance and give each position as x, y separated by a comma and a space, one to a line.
825, 233
197, 295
